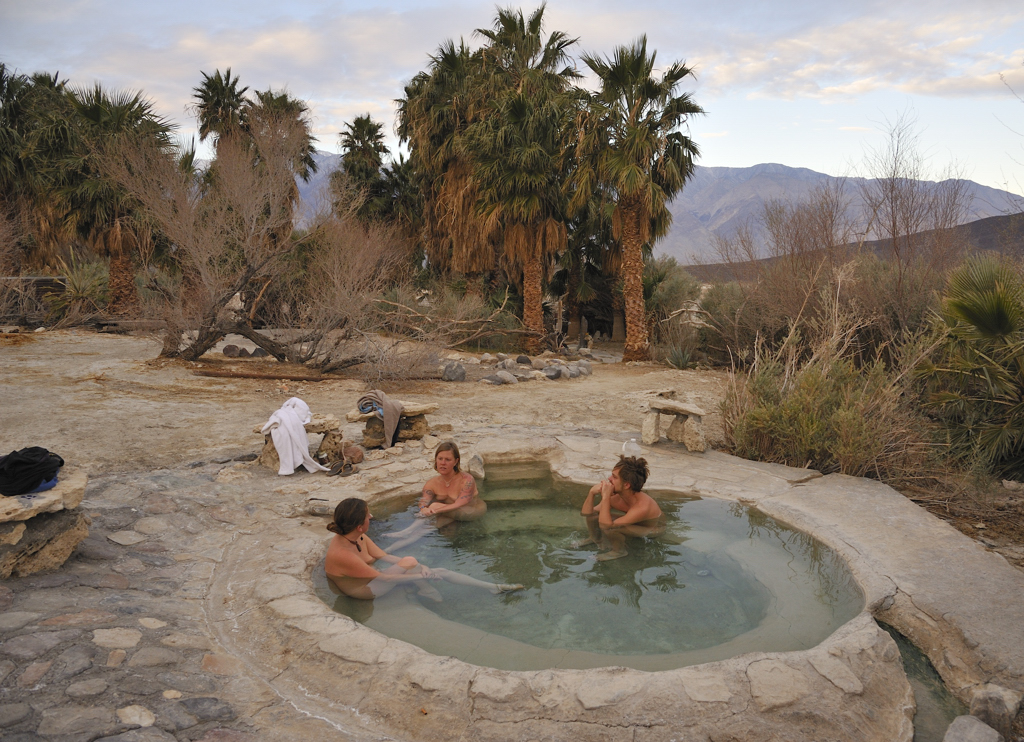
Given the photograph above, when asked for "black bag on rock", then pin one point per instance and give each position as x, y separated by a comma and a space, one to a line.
22, 471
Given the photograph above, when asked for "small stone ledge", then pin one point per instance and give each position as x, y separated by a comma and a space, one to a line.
66, 495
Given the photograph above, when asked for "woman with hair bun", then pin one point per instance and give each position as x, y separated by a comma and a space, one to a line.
352, 554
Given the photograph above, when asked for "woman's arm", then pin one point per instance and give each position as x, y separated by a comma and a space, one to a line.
466, 495
378, 553
428, 495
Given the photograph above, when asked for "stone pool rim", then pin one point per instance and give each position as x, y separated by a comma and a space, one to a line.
849, 683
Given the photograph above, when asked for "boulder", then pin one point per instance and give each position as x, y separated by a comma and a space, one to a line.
524, 359
453, 371
331, 447
539, 364
506, 377
409, 428
553, 372
971, 729
487, 358
502, 356
260, 353
996, 706
231, 351
40, 544
574, 371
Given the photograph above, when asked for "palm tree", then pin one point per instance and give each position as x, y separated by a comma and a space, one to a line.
978, 380
96, 206
628, 141
363, 149
290, 118
219, 104
362, 156
437, 108
517, 147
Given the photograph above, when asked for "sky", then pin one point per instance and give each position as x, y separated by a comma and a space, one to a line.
804, 83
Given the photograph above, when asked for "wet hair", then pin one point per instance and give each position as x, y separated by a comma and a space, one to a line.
348, 516
448, 446
633, 471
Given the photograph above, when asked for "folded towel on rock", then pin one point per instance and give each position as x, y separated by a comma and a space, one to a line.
387, 409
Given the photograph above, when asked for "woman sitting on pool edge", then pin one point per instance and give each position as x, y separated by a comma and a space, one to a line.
351, 554
450, 496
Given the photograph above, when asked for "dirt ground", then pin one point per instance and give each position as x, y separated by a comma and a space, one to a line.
107, 404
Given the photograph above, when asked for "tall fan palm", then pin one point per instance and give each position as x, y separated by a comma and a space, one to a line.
219, 104
98, 207
14, 90
363, 149
290, 117
517, 147
628, 140
438, 106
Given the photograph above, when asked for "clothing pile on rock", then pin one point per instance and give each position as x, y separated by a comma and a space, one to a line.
28, 471
287, 428
386, 409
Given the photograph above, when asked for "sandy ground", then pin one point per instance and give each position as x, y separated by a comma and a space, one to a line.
105, 403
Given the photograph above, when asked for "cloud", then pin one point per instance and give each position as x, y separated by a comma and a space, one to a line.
949, 57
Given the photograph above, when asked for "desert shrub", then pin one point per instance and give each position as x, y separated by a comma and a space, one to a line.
830, 413
976, 379
668, 288
680, 344
85, 285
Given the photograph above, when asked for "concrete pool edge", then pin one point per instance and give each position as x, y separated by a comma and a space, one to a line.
850, 683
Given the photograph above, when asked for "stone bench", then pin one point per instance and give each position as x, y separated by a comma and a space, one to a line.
412, 425
687, 425
38, 532
331, 445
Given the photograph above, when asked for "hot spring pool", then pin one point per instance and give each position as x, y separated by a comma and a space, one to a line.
720, 581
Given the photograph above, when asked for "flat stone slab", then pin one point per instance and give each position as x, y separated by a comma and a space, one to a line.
409, 409
66, 495
672, 407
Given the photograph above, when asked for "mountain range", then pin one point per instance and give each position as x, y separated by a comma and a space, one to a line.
718, 200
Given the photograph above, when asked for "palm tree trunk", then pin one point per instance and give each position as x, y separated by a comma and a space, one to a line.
637, 348
124, 299
533, 308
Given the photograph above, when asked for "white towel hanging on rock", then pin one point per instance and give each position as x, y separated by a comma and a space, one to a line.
287, 428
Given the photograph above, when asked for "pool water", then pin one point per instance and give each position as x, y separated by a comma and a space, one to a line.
936, 706
720, 580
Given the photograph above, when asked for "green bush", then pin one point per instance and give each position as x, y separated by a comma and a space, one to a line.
85, 290
976, 380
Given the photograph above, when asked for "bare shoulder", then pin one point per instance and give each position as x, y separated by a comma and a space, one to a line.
652, 505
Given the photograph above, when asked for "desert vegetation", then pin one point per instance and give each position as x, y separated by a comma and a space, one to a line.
527, 203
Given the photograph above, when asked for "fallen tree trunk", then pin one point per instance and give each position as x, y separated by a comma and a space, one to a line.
226, 374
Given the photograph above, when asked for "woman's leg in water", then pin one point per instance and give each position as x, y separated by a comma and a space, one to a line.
459, 579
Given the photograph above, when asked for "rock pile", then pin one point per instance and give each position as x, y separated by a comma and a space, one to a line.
331, 447
412, 425
523, 368
38, 532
